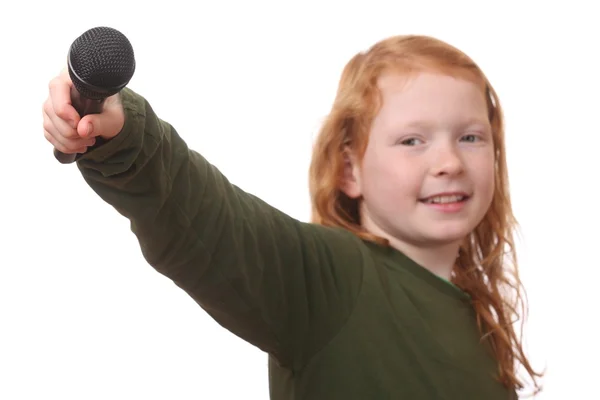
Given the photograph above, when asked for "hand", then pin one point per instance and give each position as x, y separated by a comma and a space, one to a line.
66, 130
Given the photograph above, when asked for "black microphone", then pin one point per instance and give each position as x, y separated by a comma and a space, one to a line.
100, 63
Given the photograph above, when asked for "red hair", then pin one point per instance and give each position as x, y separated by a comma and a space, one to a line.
487, 264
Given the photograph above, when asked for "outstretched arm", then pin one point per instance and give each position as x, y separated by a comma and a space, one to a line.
282, 285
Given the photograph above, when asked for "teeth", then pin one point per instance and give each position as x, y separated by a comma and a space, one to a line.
445, 199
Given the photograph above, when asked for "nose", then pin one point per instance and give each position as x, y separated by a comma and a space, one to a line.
446, 160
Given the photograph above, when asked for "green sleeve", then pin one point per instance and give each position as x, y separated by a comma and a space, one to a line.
283, 285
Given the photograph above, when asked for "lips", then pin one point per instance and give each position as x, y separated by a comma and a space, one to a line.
446, 198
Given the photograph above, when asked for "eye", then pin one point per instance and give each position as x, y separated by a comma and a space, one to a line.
471, 138
410, 142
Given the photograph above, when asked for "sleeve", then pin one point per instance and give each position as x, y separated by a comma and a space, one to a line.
282, 285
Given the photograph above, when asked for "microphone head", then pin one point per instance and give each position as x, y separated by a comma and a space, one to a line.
101, 62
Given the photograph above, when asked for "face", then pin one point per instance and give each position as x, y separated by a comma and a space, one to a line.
427, 176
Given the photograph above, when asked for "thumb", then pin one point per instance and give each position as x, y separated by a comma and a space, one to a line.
85, 127
106, 125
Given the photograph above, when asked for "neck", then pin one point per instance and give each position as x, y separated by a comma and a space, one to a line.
438, 259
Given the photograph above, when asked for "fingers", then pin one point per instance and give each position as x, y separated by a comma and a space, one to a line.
61, 119
67, 149
66, 130
58, 124
60, 102
64, 140
62, 148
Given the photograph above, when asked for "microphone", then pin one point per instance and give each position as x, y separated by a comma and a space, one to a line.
100, 63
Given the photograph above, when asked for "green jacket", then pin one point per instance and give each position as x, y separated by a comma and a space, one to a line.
340, 318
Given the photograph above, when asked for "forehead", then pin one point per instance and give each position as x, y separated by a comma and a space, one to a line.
429, 98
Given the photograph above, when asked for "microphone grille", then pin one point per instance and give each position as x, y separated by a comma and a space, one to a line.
101, 62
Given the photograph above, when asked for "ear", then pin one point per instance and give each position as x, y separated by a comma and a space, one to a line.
350, 184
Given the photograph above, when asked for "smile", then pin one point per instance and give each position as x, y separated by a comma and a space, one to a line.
452, 202
445, 199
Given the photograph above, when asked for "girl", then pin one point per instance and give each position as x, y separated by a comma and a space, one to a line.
405, 284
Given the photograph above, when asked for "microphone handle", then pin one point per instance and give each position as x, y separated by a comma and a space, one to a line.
83, 106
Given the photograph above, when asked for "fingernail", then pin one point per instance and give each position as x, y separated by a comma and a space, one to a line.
90, 129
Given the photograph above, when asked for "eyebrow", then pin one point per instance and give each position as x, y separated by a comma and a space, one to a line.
421, 124
476, 121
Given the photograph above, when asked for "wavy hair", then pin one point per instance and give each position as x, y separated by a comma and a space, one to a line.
487, 264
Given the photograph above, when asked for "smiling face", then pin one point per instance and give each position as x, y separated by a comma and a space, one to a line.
427, 175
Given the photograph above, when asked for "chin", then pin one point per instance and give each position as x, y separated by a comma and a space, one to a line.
450, 234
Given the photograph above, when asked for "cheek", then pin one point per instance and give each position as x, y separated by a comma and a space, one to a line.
390, 178
484, 173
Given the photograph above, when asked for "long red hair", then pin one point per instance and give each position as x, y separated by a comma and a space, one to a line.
487, 264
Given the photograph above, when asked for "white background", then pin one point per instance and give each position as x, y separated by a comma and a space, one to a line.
82, 316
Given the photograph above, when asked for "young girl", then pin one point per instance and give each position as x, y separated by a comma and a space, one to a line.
405, 284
